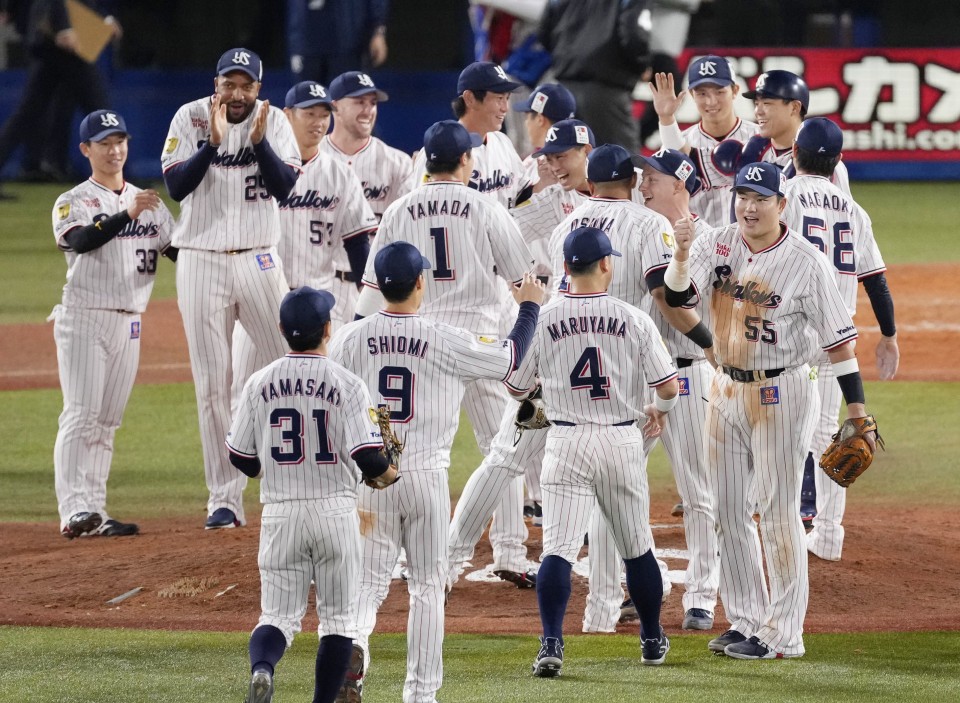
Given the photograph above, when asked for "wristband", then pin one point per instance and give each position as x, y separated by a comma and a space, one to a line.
842, 368
677, 275
851, 385
664, 406
670, 136
700, 336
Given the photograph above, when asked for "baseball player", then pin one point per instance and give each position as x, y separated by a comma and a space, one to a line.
713, 86
773, 306
300, 425
548, 104
483, 92
385, 173
594, 354
841, 229
419, 368
472, 241
228, 160
111, 233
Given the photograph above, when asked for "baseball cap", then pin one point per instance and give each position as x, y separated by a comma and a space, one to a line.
353, 84
677, 164
399, 262
100, 124
447, 140
761, 177
821, 136
710, 69
485, 75
551, 100
584, 245
565, 135
304, 311
240, 59
308, 94
609, 162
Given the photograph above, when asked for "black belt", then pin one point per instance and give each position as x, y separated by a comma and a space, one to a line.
237, 251
750, 376
684, 363
346, 276
561, 423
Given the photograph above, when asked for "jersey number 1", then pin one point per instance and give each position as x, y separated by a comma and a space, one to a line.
588, 373
441, 262
290, 450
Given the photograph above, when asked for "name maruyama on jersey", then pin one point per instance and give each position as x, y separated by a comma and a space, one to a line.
586, 324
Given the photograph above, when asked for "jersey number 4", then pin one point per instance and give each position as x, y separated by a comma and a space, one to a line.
588, 373
289, 422
814, 230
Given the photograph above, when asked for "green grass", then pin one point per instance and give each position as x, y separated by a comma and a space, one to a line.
909, 219
158, 470
132, 666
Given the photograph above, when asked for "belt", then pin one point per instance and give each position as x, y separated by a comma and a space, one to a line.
561, 423
683, 363
346, 276
750, 376
234, 252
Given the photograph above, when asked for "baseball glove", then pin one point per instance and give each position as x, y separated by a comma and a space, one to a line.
392, 448
531, 415
849, 454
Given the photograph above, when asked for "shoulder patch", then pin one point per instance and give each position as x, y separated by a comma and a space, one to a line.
667, 239
372, 413
171, 144
488, 340
63, 211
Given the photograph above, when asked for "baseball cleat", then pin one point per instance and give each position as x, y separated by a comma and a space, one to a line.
352, 689
697, 619
537, 514
115, 528
222, 518
521, 579
719, 644
653, 652
628, 611
677, 510
261, 688
81, 524
753, 648
528, 511
549, 659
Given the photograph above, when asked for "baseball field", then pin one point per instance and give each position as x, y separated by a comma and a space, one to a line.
883, 623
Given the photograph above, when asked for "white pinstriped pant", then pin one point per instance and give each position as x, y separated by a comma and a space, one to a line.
826, 538
750, 444
97, 359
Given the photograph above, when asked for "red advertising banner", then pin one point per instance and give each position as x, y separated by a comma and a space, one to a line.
892, 104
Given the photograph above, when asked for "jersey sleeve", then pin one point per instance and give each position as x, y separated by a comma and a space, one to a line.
869, 260
824, 306
69, 212
657, 245
419, 168
166, 223
404, 176
701, 265
358, 420
537, 217
354, 215
380, 240
658, 366
242, 437
510, 253
180, 143
281, 138
478, 357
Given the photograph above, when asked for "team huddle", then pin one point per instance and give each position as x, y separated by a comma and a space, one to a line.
702, 296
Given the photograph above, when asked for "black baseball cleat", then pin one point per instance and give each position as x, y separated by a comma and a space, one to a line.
628, 611
653, 652
549, 659
82, 524
719, 644
521, 579
115, 528
222, 518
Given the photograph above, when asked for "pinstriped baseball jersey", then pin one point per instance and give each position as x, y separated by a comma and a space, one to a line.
830, 220
775, 308
594, 354
120, 274
210, 217
497, 169
712, 202
634, 231
304, 416
784, 159
385, 173
540, 215
418, 367
325, 207
470, 240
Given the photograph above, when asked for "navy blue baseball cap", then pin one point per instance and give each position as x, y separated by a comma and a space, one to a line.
677, 164
565, 135
485, 75
551, 100
761, 177
399, 262
353, 84
821, 136
584, 245
240, 59
710, 69
304, 311
610, 162
447, 140
308, 94
100, 124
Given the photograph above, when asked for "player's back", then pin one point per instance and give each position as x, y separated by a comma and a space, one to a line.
305, 410
470, 240
595, 355
418, 367
830, 220
712, 201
